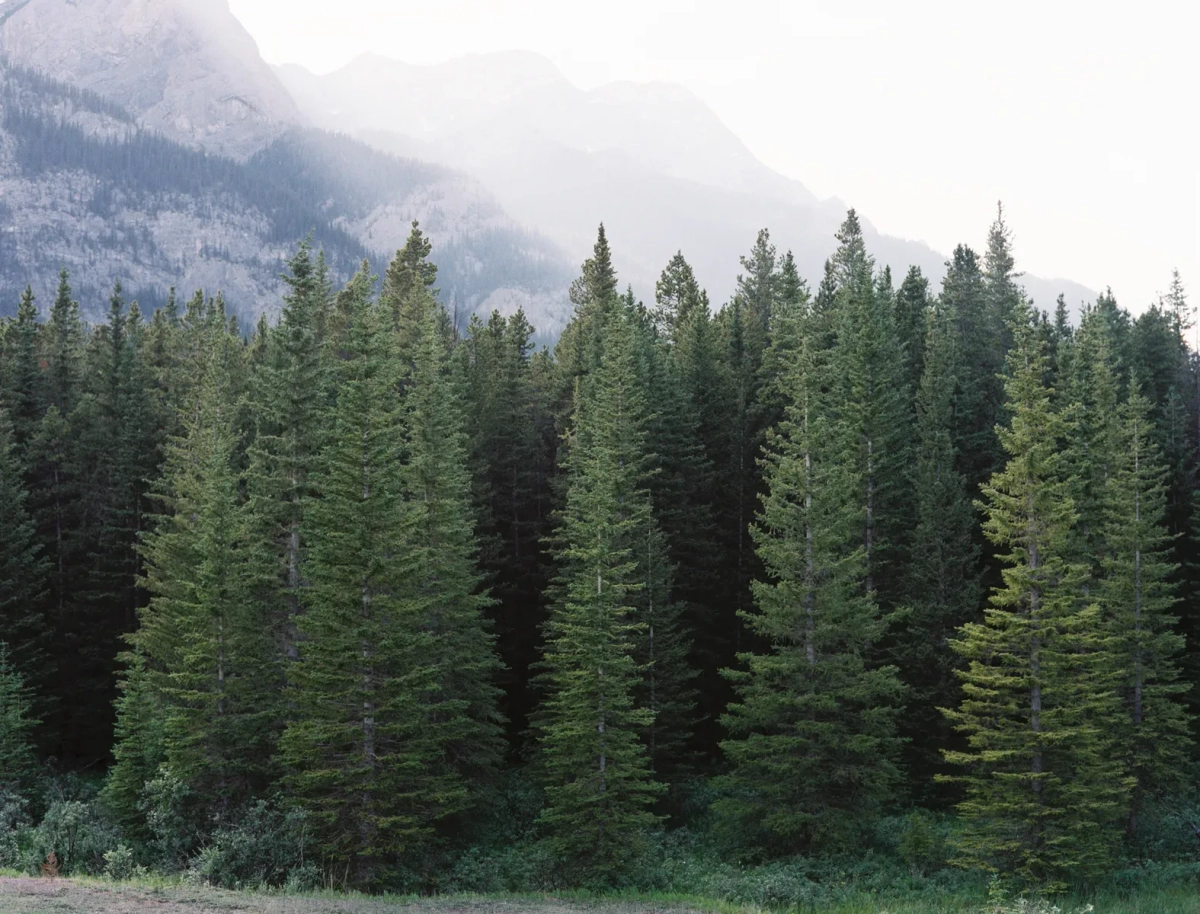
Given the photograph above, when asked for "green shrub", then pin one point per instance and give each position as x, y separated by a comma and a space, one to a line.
14, 821
77, 833
263, 847
119, 864
172, 819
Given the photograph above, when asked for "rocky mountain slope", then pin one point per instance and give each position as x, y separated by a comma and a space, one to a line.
185, 68
171, 156
650, 160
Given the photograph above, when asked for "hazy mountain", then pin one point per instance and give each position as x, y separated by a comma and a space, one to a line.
650, 160
172, 155
185, 68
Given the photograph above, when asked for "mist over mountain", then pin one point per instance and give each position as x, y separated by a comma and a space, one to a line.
650, 160
148, 142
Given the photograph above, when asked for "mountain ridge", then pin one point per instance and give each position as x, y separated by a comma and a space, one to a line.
650, 160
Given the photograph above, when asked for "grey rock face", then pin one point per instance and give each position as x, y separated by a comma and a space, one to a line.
185, 68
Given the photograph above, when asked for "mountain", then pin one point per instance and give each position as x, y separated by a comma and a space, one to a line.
651, 161
170, 155
185, 68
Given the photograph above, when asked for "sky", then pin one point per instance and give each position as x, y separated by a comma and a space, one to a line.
1083, 117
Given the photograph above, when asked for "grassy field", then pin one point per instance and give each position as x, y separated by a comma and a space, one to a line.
69, 896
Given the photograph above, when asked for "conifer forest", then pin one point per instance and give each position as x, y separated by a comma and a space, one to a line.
850, 578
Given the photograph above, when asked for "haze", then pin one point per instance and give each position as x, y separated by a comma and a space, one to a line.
922, 115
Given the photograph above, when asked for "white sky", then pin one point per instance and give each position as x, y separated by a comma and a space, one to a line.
1084, 117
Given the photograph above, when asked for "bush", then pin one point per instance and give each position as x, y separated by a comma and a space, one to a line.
119, 864
14, 822
921, 844
77, 833
264, 847
169, 807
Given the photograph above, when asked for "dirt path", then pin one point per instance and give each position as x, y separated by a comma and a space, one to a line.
62, 896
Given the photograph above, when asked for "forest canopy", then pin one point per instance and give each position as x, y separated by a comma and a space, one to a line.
391, 603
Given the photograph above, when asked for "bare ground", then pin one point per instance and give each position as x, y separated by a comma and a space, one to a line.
64, 896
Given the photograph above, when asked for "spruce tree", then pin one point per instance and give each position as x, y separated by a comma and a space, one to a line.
292, 390
872, 404
1138, 594
942, 577
964, 291
64, 335
461, 709
17, 762
356, 751
507, 419
20, 386
204, 646
23, 569
1044, 782
912, 317
599, 787
812, 732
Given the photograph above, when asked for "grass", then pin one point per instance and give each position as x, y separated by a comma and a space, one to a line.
157, 895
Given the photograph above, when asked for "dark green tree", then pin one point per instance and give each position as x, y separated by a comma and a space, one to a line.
812, 733
599, 786
1045, 782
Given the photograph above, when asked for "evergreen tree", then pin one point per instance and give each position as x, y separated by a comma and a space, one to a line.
461, 710
63, 349
408, 281
21, 393
292, 390
23, 569
356, 752
205, 654
942, 581
812, 732
912, 317
1000, 280
1138, 596
873, 406
677, 295
1044, 781
599, 786
510, 462
17, 762
964, 291
594, 295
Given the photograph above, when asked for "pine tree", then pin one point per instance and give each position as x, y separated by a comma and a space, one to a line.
912, 317
23, 569
204, 646
20, 386
17, 762
676, 296
599, 788
461, 710
812, 733
1044, 783
1000, 280
942, 580
873, 406
964, 291
63, 349
356, 752
292, 392
1138, 596
594, 295
408, 281
510, 462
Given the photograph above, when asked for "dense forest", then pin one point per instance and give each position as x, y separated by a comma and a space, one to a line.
359, 599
